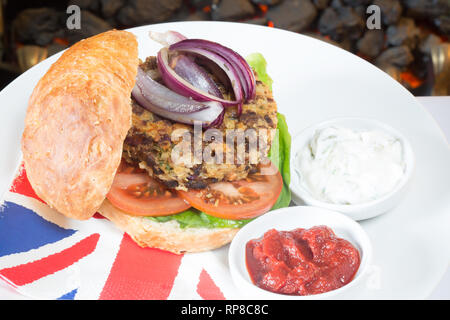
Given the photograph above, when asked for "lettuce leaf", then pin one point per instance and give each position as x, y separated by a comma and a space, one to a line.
258, 63
279, 154
281, 145
193, 218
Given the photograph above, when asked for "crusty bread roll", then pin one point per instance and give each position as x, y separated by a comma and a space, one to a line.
167, 235
76, 122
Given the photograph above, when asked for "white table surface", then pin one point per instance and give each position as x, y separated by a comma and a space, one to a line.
439, 107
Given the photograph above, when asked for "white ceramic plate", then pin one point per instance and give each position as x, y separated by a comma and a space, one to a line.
315, 81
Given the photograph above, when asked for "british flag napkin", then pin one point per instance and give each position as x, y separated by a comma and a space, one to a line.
44, 255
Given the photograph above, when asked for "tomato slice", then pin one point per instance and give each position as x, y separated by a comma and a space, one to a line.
243, 199
136, 193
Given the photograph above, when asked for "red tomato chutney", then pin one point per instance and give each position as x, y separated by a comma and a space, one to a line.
301, 261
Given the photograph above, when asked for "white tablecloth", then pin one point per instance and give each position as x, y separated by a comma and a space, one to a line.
439, 107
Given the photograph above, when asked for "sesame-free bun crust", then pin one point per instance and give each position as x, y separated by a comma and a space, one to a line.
167, 235
77, 119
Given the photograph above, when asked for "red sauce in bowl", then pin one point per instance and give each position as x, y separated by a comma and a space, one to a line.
301, 261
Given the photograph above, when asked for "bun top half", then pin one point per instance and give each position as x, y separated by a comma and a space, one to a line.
77, 119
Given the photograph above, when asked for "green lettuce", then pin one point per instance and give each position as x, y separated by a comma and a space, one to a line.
279, 155
259, 64
193, 218
280, 150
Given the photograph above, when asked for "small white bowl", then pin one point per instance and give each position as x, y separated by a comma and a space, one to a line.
287, 219
361, 211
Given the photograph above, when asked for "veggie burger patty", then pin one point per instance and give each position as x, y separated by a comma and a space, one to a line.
149, 142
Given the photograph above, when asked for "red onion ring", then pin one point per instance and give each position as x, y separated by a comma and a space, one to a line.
183, 87
227, 68
166, 38
241, 66
158, 99
186, 68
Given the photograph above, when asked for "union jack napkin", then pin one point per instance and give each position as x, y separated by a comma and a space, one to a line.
44, 255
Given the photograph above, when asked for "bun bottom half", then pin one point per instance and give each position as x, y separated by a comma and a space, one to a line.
167, 235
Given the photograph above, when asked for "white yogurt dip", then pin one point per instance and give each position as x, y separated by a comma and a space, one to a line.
345, 166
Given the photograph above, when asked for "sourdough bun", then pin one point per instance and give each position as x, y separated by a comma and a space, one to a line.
167, 235
77, 119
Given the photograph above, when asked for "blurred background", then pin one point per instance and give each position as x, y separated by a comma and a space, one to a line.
411, 45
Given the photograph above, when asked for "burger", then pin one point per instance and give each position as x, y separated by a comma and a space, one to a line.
179, 151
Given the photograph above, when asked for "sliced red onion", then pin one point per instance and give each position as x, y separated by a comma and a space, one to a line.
227, 68
214, 69
183, 87
158, 99
161, 96
218, 121
186, 68
243, 69
166, 38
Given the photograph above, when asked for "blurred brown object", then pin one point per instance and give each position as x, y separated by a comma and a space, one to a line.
440, 57
1, 18
400, 45
2, 30
29, 55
